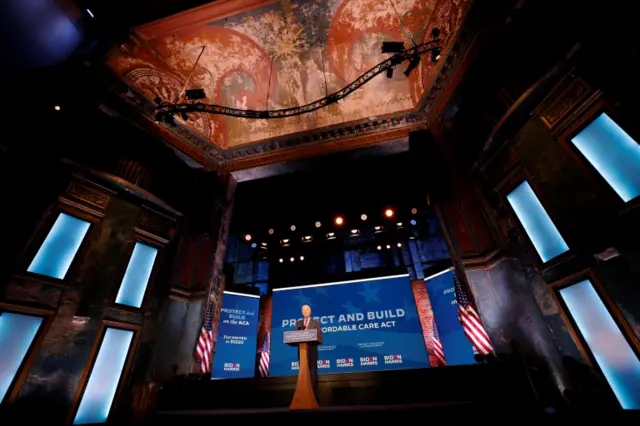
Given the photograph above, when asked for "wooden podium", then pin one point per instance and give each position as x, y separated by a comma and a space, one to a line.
303, 398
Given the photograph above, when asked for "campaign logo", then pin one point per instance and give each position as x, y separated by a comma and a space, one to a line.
231, 366
324, 363
295, 365
393, 359
368, 360
344, 362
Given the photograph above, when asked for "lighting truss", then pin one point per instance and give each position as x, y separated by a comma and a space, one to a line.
165, 111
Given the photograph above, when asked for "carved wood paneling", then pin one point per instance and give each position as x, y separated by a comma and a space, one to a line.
87, 195
564, 99
154, 222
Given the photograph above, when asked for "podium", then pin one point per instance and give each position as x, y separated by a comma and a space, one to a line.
303, 398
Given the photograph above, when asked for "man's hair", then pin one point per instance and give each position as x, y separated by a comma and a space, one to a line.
308, 306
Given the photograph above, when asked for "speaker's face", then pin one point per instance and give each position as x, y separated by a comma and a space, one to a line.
306, 311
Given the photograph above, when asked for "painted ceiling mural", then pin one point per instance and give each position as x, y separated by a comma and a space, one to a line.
272, 55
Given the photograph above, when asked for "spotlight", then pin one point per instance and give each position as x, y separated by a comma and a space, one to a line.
264, 245
413, 64
378, 229
399, 244
292, 259
195, 94
284, 242
339, 220
413, 222
57, 107
307, 238
318, 224
392, 46
435, 55
331, 236
301, 258
388, 213
293, 228
90, 13
388, 246
254, 245
379, 247
354, 231
414, 211
399, 224
363, 217
281, 260
271, 231
247, 237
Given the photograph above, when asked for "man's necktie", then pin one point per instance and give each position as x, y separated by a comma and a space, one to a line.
306, 323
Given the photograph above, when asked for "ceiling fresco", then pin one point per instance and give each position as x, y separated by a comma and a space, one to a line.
271, 55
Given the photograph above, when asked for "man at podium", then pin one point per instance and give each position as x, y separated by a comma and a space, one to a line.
308, 323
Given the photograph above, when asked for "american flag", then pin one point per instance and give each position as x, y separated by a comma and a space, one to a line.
471, 322
205, 342
264, 356
437, 346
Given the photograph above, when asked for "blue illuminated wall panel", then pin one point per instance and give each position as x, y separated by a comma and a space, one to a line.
98, 396
60, 247
136, 278
17, 332
536, 222
613, 153
614, 355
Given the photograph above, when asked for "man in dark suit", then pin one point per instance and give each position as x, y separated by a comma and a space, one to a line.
308, 323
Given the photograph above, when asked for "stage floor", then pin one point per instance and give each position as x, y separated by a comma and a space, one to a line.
328, 409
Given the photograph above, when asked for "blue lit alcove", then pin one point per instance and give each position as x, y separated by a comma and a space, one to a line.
104, 378
60, 247
17, 332
536, 222
613, 153
612, 352
136, 277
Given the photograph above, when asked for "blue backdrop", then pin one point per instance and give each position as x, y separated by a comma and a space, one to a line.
235, 355
368, 325
456, 346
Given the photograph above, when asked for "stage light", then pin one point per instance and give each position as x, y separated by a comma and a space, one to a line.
378, 229
281, 260
392, 46
388, 213
301, 257
399, 244
90, 13
435, 55
339, 220
363, 217
354, 231
293, 228
331, 236
263, 245
318, 224
413, 222
414, 211
271, 231
57, 107
292, 259
307, 239
388, 246
399, 224
379, 247
254, 245
413, 64
247, 237
284, 242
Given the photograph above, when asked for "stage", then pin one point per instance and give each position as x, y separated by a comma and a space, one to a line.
454, 390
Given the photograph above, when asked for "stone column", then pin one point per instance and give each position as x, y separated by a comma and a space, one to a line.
197, 282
